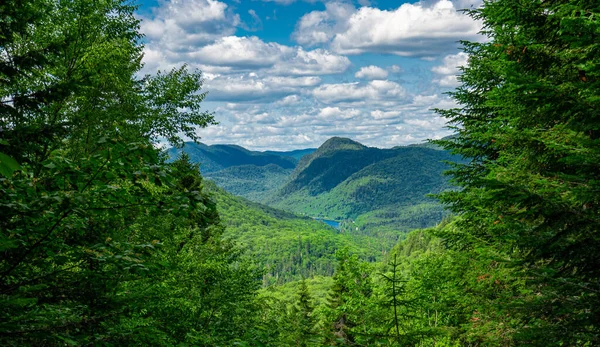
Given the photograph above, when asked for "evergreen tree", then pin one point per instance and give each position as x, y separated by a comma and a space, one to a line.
395, 293
302, 318
528, 121
348, 300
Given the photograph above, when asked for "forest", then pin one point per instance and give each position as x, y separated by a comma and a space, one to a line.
107, 241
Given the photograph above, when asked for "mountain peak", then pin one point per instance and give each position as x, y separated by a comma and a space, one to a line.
340, 143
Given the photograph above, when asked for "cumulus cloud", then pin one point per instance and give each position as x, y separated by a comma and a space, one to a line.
269, 95
200, 33
412, 30
447, 73
274, 126
371, 72
335, 113
289, 100
232, 54
252, 87
396, 69
374, 91
322, 26
182, 25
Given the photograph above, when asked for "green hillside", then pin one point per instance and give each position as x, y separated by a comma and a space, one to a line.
296, 154
250, 181
377, 188
288, 245
218, 157
330, 147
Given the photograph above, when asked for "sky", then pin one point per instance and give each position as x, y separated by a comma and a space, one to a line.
290, 74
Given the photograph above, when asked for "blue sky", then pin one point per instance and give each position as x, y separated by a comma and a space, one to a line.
288, 74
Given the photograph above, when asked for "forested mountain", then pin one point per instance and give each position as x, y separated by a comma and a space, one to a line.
250, 181
345, 180
383, 191
218, 157
296, 154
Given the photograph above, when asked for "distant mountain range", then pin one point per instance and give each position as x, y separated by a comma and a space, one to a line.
218, 157
378, 190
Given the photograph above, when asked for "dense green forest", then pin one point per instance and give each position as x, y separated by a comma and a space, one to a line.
253, 182
107, 241
291, 247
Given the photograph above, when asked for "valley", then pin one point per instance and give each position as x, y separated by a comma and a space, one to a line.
341, 180
293, 210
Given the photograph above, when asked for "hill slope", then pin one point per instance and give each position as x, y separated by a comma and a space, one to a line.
296, 154
375, 187
290, 246
250, 181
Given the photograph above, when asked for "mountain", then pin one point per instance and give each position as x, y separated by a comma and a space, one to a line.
218, 157
250, 181
296, 154
377, 188
379, 193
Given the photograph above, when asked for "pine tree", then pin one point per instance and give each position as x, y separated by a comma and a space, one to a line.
529, 121
347, 299
303, 322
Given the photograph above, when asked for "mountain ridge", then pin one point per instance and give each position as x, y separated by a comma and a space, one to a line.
218, 157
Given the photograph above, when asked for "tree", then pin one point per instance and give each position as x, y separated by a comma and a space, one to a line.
102, 241
528, 121
348, 300
395, 286
302, 317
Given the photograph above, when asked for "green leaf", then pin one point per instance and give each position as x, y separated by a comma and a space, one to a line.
8, 165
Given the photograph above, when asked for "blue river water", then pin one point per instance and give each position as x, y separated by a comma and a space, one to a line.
330, 223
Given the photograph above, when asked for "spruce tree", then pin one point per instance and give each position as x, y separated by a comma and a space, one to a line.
303, 322
529, 121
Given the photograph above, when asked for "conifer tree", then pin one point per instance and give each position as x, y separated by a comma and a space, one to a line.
528, 120
347, 299
303, 322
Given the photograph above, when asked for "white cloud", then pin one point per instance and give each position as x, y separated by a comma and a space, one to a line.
182, 25
374, 91
449, 70
419, 30
274, 126
371, 72
335, 113
252, 87
321, 26
241, 52
396, 69
379, 114
268, 95
233, 54
289, 100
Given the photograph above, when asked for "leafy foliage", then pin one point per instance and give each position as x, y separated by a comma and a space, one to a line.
102, 242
